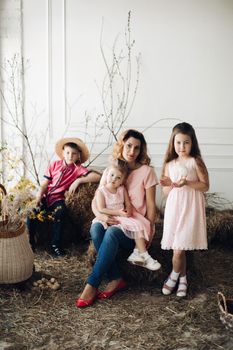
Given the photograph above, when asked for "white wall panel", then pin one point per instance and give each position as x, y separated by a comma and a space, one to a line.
186, 72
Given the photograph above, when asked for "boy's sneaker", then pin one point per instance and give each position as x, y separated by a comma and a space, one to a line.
57, 251
135, 258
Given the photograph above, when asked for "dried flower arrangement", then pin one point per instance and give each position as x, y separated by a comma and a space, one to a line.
16, 205
19, 203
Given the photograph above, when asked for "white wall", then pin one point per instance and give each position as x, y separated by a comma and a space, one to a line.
186, 71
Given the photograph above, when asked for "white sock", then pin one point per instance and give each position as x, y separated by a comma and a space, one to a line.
171, 282
183, 279
182, 287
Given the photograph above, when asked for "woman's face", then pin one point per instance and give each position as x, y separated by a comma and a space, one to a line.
131, 150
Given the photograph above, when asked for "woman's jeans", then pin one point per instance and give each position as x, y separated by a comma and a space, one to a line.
107, 243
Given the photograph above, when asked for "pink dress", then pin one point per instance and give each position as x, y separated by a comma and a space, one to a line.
184, 217
137, 182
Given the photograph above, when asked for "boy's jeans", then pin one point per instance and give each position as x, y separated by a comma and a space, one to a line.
59, 210
107, 243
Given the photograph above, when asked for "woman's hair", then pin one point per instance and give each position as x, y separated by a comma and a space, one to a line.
143, 157
185, 129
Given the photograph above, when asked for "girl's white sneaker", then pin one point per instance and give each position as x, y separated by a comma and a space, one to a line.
151, 264
144, 260
135, 258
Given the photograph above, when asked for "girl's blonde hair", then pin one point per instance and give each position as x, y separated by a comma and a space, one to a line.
185, 129
119, 165
142, 158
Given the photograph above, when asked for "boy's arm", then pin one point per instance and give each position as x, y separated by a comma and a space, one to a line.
92, 176
42, 190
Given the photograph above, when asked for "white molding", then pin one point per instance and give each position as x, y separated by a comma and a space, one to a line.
64, 18
49, 68
168, 127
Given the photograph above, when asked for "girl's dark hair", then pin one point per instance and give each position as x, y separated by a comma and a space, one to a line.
186, 129
143, 157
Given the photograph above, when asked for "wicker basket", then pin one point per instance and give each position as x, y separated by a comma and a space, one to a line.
16, 256
226, 311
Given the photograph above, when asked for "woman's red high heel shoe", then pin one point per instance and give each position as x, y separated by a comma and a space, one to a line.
108, 294
84, 303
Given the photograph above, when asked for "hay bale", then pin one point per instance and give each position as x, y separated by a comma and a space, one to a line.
78, 220
220, 226
134, 273
79, 208
140, 275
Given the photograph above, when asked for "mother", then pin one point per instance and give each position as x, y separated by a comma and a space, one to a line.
141, 181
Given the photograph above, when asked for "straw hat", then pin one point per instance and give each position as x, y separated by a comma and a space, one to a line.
84, 152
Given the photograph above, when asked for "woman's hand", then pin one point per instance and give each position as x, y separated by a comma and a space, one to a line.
123, 213
129, 211
109, 219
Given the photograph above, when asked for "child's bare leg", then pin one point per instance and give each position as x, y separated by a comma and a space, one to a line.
179, 262
140, 245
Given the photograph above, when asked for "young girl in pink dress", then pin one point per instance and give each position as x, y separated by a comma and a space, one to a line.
184, 179
112, 199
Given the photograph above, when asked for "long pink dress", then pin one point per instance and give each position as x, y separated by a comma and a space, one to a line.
184, 217
137, 182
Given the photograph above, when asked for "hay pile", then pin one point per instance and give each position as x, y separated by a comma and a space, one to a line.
79, 208
137, 318
220, 226
78, 220
36, 318
219, 215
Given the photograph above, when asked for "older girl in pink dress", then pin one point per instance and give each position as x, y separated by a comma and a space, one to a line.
184, 179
